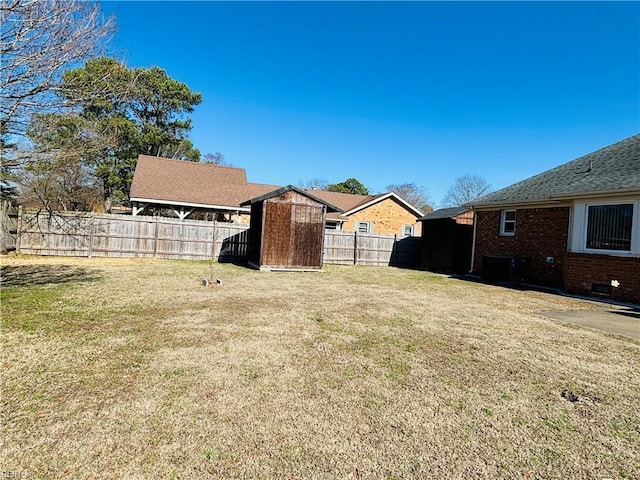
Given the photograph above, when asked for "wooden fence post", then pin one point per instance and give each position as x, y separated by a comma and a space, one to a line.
91, 228
155, 238
19, 230
214, 237
355, 247
394, 250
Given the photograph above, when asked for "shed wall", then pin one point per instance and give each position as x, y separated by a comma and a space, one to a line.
446, 245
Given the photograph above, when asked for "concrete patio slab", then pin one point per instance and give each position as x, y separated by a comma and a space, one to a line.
623, 321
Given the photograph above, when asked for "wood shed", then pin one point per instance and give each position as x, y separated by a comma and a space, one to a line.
447, 240
287, 230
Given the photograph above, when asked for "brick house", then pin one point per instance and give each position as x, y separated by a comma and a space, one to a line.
575, 227
385, 213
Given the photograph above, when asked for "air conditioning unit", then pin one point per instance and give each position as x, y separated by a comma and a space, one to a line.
498, 268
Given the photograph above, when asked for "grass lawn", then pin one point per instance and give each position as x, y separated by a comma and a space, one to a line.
132, 369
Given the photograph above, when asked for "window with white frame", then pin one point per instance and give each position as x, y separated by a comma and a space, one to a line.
508, 222
611, 227
407, 230
364, 227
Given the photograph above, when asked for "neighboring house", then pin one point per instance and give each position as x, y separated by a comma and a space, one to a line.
386, 213
575, 227
447, 240
186, 188
191, 188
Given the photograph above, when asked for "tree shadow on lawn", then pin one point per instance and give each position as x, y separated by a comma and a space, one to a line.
34, 275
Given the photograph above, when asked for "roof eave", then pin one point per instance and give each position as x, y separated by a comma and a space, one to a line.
380, 199
520, 203
558, 199
190, 204
289, 188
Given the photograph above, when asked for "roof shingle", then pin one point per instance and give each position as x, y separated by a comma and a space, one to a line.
164, 179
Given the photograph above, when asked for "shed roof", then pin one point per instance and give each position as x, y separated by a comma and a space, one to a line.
288, 188
615, 168
441, 213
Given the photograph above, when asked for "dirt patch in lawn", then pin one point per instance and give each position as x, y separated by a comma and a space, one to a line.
354, 372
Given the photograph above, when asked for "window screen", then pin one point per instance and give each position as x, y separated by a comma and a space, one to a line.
609, 227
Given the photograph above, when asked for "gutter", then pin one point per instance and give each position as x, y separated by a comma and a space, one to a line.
473, 245
554, 200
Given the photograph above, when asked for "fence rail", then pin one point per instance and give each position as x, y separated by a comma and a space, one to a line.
102, 235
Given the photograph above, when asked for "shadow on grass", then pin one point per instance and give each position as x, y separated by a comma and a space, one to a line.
34, 275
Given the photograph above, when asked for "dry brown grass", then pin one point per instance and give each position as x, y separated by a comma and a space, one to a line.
132, 369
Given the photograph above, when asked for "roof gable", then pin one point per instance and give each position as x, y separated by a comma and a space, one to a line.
351, 203
289, 188
615, 168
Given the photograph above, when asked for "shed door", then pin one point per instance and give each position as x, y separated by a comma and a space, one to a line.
293, 235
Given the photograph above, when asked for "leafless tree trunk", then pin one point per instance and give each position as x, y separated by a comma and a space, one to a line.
39, 39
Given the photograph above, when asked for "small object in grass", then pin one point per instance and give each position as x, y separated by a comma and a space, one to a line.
569, 395
205, 282
218, 281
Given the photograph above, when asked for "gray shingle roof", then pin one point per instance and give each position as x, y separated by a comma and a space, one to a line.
444, 213
613, 168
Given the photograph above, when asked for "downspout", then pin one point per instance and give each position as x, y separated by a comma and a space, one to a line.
473, 244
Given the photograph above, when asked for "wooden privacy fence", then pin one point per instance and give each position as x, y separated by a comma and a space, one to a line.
102, 235
348, 248
130, 236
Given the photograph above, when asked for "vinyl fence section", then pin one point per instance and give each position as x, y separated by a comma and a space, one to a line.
131, 236
8, 226
345, 248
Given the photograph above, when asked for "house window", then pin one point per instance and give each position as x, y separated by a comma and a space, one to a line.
508, 222
332, 226
407, 230
609, 227
364, 227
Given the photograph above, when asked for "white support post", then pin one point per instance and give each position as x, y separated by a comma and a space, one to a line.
182, 214
137, 209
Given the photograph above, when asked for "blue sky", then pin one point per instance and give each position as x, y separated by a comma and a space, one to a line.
395, 92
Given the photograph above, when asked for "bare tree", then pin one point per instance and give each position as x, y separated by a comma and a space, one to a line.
39, 39
314, 184
416, 196
215, 159
466, 189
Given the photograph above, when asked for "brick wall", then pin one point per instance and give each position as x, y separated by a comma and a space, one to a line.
388, 217
540, 233
583, 270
